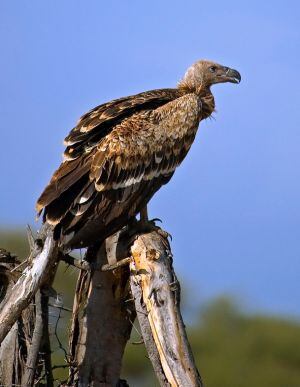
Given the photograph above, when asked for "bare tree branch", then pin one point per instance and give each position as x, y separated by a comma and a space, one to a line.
114, 266
152, 270
33, 353
82, 265
44, 259
46, 347
16, 345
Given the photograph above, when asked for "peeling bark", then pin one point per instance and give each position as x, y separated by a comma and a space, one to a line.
34, 348
149, 342
102, 321
16, 345
152, 270
43, 261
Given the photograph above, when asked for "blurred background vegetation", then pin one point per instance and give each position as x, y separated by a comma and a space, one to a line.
232, 348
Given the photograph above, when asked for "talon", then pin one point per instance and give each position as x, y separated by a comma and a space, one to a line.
155, 220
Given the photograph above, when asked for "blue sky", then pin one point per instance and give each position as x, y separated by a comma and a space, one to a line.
233, 206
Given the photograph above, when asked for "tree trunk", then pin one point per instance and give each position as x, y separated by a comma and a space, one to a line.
101, 323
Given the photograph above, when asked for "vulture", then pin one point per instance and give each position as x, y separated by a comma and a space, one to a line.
121, 152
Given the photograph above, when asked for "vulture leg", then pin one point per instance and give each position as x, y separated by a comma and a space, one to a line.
145, 224
144, 215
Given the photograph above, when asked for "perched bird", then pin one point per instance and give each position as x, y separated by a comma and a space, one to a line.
121, 152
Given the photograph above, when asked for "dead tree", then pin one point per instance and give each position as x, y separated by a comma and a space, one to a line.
101, 321
130, 275
25, 348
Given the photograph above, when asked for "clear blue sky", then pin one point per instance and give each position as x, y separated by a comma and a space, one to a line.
233, 207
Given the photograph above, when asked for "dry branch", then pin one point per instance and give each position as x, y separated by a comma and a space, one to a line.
16, 345
33, 353
46, 347
43, 261
152, 270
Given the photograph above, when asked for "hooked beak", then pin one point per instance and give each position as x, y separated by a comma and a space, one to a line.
231, 75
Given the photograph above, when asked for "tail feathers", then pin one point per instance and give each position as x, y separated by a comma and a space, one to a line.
64, 177
58, 208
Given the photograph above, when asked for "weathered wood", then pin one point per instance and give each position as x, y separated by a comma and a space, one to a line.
9, 360
34, 348
46, 345
116, 265
16, 345
101, 322
148, 340
152, 270
102, 316
83, 265
43, 261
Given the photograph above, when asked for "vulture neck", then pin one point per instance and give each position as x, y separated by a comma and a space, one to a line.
205, 95
208, 102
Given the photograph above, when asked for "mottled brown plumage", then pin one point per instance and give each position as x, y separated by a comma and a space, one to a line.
120, 153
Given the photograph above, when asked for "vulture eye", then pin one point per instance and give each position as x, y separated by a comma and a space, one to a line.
212, 69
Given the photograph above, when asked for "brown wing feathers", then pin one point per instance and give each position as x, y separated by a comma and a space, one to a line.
64, 177
101, 156
97, 123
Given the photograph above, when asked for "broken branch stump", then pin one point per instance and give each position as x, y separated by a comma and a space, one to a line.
158, 300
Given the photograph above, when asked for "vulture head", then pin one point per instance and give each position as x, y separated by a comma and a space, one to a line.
204, 73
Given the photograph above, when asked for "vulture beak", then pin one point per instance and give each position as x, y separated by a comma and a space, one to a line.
231, 75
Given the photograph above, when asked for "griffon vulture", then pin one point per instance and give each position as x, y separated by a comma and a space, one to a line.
121, 152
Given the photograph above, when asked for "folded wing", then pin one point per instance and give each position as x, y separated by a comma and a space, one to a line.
113, 165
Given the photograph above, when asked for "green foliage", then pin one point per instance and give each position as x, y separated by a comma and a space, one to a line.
232, 349
15, 242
